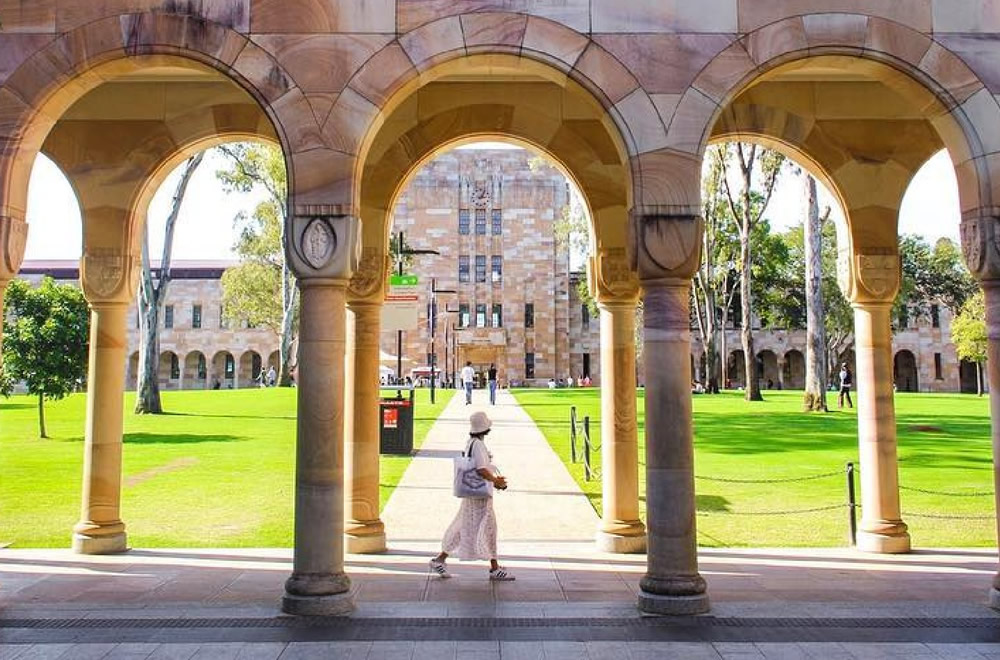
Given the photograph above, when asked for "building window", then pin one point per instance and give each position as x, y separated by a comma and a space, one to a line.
222, 317
196, 316
586, 365
585, 316
496, 268
937, 367
529, 365
230, 366
480, 267
202, 367
481, 222
935, 316
529, 315
175, 367
463, 268
430, 359
497, 317
497, 222
481, 315
168, 316
463, 222
463, 315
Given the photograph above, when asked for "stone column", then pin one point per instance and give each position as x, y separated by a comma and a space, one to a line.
616, 289
320, 251
666, 253
781, 373
982, 255
364, 530
108, 280
870, 280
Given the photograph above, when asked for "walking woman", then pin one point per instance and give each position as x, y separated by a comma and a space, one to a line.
473, 532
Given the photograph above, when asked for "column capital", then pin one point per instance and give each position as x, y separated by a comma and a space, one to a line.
368, 283
870, 276
13, 238
321, 243
664, 245
109, 276
981, 246
611, 278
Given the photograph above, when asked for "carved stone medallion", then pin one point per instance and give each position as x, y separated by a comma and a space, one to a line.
665, 245
879, 274
318, 242
616, 278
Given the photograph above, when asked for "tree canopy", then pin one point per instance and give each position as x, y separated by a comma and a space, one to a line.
45, 339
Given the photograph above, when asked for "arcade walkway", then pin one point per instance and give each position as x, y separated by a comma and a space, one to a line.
569, 601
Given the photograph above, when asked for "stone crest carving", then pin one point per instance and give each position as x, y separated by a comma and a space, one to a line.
369, 278
319, 242
612, 276
107, 273
972, 243
879, 274
322, 243
665, 245
13, 238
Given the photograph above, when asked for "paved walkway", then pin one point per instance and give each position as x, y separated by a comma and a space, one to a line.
542, 503
569, 601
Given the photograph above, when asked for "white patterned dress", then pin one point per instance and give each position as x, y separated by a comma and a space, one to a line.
473, 532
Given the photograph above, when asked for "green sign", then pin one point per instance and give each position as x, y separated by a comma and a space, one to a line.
402, 280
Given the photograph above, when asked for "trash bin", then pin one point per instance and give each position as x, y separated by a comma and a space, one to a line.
396, 421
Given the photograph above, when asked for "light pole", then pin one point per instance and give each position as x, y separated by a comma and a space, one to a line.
400, 252
433, 322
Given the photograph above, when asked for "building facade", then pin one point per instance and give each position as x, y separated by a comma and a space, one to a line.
505, 294
198, 348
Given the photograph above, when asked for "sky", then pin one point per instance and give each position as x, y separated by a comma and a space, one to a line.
205, 227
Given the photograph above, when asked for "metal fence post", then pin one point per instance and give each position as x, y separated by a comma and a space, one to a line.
572, 434
852, 512
588, 473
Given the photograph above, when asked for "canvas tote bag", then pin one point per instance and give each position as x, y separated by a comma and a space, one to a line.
468, 482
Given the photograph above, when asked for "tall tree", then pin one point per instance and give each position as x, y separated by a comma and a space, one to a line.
757, 175
261, 289
816, 362
968, 331
932, 275
151, 297
45, 344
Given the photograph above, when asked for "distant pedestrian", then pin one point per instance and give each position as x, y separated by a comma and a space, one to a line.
272, 376
473, 532
491, 381
468, 378
846, 380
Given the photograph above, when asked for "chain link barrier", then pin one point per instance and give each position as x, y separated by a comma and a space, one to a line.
975, 493
777, 480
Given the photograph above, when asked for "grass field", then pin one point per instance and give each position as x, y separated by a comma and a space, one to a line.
944, 445
218, 471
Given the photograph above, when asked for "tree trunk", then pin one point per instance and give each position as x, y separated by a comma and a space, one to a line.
288, 294
980, 389
41, 417
151, 297
746, 330
816, 361
724, 348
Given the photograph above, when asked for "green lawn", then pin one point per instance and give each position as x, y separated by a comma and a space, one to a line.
944, 445
218, 471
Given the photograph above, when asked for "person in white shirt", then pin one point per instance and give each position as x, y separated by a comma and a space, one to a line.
468, 377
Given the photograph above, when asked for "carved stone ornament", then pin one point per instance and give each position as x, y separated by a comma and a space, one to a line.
613, 276
369, 278
105, 274
879, 274
972, 243
322, 244
665, 245
13, 238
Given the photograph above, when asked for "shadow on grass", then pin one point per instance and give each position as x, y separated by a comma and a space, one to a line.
17, 406
178, 438
268, 417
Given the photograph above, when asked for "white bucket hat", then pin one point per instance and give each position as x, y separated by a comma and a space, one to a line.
479, 423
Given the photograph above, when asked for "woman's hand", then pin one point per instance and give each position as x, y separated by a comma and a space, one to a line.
500, 482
